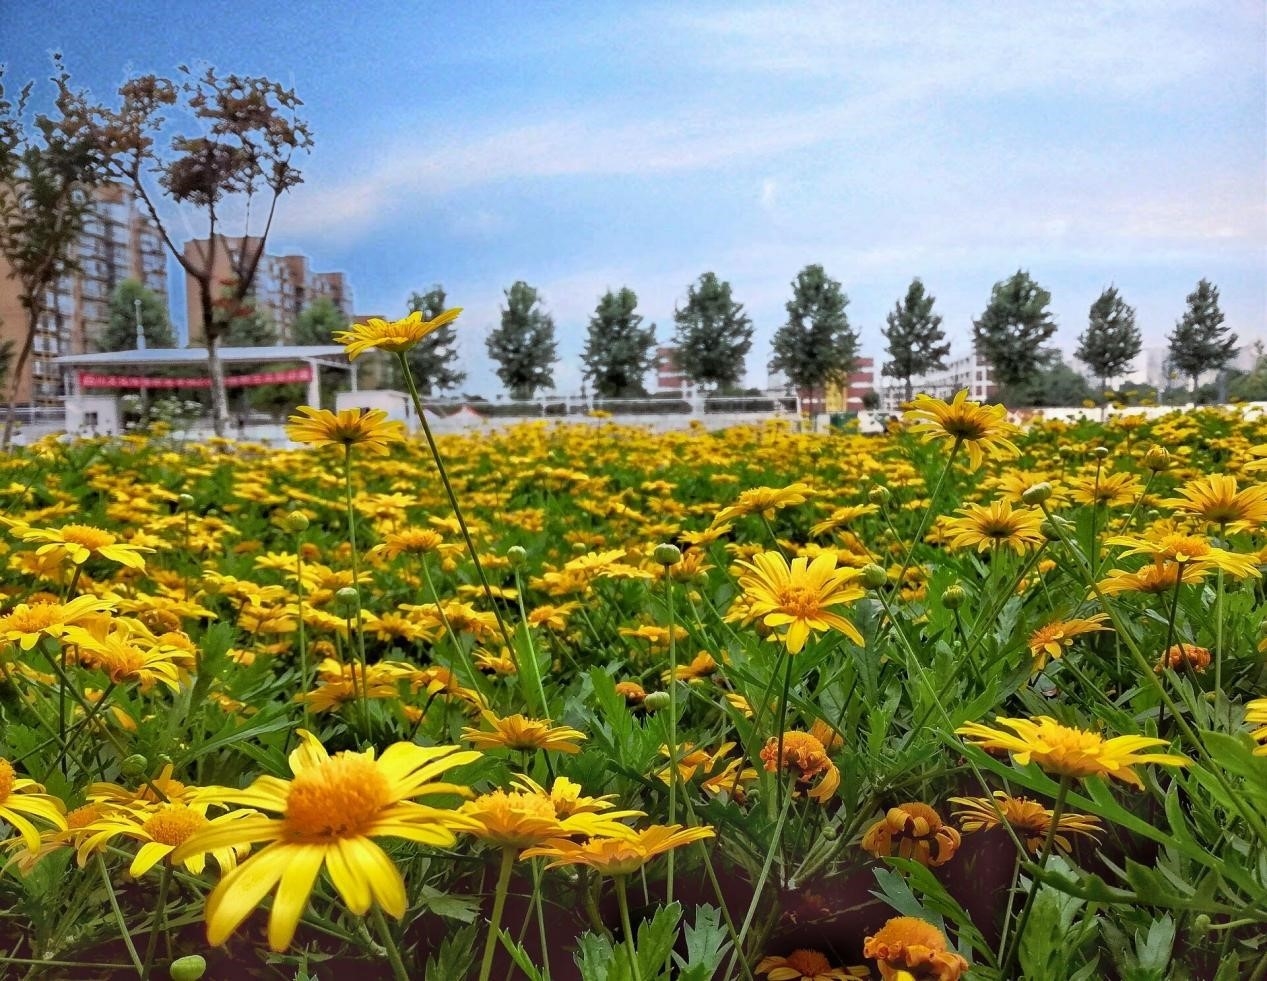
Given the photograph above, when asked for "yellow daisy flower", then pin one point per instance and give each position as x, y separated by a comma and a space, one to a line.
794, 599
1070, 752
350, 427
394, 336
1053, 639
520, 732
331, 812
79, 543
21, 800
1028, 818
1217, 500
619, 856
979, 429
994, 527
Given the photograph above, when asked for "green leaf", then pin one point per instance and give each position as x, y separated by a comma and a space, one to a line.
707, 942
655, 939
520, 957
455, 956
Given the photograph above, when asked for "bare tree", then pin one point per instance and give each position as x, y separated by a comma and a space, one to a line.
237, 165
48, 172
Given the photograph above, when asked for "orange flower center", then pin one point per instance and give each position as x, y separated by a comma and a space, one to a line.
83, 816
339, 798
799, 601
89, 537
173, 824
34, 618
120, 661
7, 779
809, 962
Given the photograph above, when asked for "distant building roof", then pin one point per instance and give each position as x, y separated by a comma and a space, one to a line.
167, 356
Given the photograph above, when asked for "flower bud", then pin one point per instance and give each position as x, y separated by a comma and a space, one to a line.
135, 766
516, 555
953, 597
879, 496
186, 502
656, 700
667, 554
1037, 494
1201, 923
347, 601
1050, 530
188, 968
297, 522
1100, 452
873, 576
1157, 459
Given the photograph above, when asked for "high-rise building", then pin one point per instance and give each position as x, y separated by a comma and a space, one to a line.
119, 242
973, 373
282, 288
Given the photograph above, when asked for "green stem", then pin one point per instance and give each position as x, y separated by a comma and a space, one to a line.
499, 904
356, 585
627, 927
393, 952
1056, 812
760, 885
1170, 638
305, 672
467, 663
532, 649
160, 914
672, 727
453, 501
928, 513
1218, 622
118, 916
782, 723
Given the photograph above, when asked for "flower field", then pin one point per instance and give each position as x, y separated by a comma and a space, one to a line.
956, 701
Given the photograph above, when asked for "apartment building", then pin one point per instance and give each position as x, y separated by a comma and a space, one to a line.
119, 242
972, 372
284, 284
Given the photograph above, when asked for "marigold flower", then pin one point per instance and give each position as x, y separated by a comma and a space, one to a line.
995, 526
1028, 818
915, 831
907, 947
1216, 500
21, 800
1070, 752
619, 856
979, 429
79, 543
794, 599
520, 732
806, 758
807, 965
331, 812
350, 427
1053, 639
394, 336
1180, 656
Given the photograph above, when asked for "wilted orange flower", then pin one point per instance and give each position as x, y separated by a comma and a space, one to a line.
906, 947
805, 758
1182, 656
915, 831
1028, 818
807, 965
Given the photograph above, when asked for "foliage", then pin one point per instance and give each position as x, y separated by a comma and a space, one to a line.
619, 351
244, 324
317, 323
1013, 327
49, 171
1201, 341
713, 334
523, 345
120, 332
433, 359
1111, 342
816, 347
917, 344
237, 157
1055, 383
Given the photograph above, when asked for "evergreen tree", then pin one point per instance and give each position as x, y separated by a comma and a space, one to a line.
1012, 329
618, 350
432, 359
713, 334
1111, 342
120, 333
317, 323
917, 344
523, 346
816, 347
1201, 341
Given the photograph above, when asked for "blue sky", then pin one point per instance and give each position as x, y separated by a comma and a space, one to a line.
587, 146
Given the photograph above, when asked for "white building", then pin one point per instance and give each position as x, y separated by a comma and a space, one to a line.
973, 373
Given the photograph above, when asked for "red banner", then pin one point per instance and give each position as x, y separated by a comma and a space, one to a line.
291, 375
